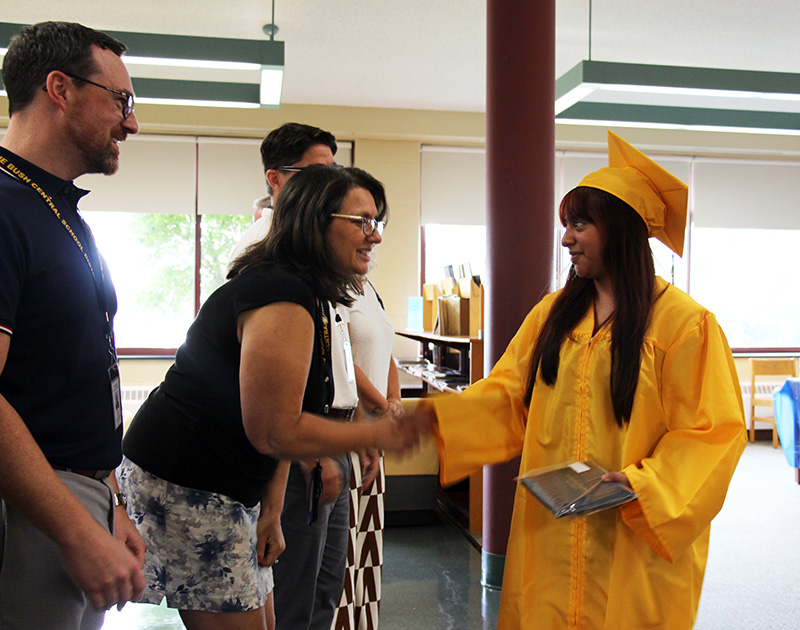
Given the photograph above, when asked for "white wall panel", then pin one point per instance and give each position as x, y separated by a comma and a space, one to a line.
453, 186
231, 176
156, 175
747, 194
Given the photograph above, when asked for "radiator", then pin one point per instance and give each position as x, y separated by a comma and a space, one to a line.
132, 398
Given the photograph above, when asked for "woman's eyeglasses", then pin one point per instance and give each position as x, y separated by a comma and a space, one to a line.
368, 224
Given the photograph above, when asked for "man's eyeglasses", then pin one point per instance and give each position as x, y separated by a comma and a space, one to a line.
368, 224
297, 169
125, 98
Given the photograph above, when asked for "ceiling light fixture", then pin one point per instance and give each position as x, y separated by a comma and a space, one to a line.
670, 97
641, 95
190, 70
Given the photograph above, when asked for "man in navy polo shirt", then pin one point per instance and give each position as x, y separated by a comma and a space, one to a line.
70, 104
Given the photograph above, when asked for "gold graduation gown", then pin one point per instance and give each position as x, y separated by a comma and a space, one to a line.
641, 565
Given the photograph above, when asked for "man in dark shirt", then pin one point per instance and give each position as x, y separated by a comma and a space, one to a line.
70, 104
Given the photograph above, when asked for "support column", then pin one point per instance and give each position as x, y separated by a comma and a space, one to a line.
520, 156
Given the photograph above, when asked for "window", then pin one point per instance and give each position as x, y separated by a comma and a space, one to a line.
229, 179
145, 221
740, 247
166, 224
454, 245
744, 277
744, 241
453, 202
151, 260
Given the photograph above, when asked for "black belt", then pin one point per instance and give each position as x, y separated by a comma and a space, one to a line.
342, 414
94, 474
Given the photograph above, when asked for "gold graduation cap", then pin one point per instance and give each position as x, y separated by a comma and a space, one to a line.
657, 195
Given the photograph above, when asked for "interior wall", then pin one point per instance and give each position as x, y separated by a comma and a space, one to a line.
396, 276
143, 372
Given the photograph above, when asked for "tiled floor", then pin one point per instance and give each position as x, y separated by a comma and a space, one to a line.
431, 581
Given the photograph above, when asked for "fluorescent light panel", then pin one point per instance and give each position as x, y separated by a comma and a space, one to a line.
131, 60
271, 85
197, 103
604, 93
264, 58
694, 127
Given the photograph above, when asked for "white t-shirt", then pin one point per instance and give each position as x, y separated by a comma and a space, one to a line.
251, 235
372, 336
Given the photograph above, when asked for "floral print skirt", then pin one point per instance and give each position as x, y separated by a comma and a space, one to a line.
201, 546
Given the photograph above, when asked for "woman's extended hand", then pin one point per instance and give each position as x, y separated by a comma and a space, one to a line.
395, 407
423, 417
395, 434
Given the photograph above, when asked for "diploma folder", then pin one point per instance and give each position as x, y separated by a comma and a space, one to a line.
575, 488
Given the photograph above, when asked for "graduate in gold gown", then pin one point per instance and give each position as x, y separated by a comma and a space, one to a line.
624, 369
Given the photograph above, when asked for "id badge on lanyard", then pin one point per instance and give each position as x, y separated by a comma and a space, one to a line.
344, 334
116, 394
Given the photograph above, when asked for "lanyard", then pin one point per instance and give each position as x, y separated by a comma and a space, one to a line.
325, 347
324, 336
13, 171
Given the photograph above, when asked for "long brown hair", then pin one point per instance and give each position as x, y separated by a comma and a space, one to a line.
629, 263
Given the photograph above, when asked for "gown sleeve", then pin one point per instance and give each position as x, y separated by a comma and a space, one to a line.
683, 482
486, 423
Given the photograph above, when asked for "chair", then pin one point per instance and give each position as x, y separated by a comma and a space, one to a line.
780, 368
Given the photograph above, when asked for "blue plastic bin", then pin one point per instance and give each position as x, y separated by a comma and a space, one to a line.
787, 419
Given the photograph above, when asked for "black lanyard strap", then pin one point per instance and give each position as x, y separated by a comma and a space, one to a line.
17, 174
325, 347
14, 172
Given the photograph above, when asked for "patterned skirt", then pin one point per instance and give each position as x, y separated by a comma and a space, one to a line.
200, 546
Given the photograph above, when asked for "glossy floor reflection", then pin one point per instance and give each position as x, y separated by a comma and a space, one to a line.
431, 580
143, 617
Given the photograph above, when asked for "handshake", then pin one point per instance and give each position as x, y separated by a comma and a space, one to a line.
395, 431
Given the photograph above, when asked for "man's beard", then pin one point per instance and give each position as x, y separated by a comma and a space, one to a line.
98, 156
99, 159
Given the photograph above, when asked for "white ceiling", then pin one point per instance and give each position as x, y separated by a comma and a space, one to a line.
430, 54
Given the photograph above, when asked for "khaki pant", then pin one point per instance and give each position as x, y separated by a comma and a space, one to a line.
36, 592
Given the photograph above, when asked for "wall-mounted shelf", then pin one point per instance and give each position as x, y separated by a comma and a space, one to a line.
458, 355
459, 360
